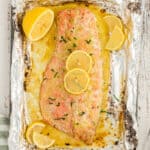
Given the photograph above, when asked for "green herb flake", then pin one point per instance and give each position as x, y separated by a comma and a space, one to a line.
82, 113
52, 99
91, 54
69, 50
71, 104
88, 41
44, 78
60, 118
63, 39
74, 38
116, 98
104, 111
58, 104
65, 115
55, 75
74, 45
52, 70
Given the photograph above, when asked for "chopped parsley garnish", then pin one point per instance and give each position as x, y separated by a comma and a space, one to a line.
63, 39
116, 98
74, 45
82, 113
66, 115
77, 123
58, 105
55, 75
52, 99
62, 118
74, 38
69, 50
52, 70
88, 41
44, 79
91, 54
104, 111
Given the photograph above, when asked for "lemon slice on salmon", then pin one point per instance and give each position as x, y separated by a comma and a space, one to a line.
37, 22
42, 141
34, 127
116, 39
112, 21
79, 59
76, 81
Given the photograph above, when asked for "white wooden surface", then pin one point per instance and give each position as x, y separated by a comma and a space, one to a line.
4, 57
144, 74
144, 82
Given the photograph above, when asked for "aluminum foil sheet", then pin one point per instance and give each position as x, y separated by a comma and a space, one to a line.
124, 69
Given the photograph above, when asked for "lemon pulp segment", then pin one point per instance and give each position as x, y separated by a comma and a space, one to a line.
36, 126
37, 22
112, 21
79, 59
116, 40
42, 141
76, 81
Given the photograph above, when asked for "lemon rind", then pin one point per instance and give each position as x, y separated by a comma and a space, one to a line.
83, 90
77, 51
34, 24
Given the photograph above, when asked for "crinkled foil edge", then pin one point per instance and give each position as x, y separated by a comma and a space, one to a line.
130, 71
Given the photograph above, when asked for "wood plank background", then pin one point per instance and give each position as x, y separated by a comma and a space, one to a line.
143, 100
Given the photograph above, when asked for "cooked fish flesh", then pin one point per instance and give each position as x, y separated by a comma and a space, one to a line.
76, 115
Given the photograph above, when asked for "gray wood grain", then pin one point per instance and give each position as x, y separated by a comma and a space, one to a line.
5, 57
144, 82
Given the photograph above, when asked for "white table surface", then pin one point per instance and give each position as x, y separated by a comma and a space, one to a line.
4, 57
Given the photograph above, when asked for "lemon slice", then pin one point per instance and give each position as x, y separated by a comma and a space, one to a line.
113, 21
36, 126
42, 141
37, 23
79, 59
76, 81
116, 39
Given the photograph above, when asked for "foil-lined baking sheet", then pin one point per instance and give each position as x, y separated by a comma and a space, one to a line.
124, 72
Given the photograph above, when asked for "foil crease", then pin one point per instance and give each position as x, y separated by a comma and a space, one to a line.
124, 66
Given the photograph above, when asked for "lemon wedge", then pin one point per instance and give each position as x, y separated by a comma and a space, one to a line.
76, 81
42, 141
79, 59
34, 127
113, 21
37, 22
116, 39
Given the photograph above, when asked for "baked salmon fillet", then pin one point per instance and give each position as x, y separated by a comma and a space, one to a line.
76, 115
